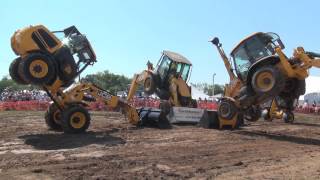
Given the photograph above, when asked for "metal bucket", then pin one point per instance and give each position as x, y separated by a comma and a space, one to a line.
152, 117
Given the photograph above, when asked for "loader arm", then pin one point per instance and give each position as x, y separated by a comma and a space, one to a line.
86, 92
316, 62
306, 60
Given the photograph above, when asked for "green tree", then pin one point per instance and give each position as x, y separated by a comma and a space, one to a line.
6, 82
109, 81
208, 88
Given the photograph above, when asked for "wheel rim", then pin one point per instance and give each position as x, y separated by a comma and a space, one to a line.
77, 120
265, 81
38, 68
225, 110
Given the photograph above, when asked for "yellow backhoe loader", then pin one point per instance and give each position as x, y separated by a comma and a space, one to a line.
53, 64
262, 73
168, 80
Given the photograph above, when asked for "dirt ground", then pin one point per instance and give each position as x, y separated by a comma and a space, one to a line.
112, 149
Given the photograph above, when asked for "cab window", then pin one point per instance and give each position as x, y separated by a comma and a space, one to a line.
241, 62
185, 72
164, 66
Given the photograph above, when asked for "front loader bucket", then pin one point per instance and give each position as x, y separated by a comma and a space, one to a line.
209, 119
153, 117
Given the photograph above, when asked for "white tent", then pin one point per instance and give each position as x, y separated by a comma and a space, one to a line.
196, 93
312, 85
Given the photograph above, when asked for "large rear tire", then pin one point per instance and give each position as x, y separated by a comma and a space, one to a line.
13, 70
75, 119
267, 80
53, 117
149, 86
38, 69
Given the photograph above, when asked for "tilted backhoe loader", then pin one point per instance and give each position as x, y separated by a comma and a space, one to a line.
53, 64
263, 73
168, 80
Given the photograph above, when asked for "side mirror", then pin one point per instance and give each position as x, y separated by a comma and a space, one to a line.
216, 42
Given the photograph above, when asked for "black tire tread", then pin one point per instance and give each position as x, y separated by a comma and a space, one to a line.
67, 128
52, 125
23, 69
13, 71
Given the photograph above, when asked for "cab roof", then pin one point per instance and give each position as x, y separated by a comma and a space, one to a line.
176, 57
245, 39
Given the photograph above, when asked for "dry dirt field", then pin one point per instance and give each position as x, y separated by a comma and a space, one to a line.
112, 149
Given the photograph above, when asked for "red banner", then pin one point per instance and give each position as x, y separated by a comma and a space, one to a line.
24, 106
94, 106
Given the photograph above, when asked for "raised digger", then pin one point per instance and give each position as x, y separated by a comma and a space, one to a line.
263, 73
53, 64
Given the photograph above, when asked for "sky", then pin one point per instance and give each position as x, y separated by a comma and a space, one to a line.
125, 34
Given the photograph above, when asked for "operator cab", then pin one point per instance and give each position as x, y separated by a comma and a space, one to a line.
253, 49
172, 63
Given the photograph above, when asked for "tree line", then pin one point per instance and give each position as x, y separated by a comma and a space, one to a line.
106, 80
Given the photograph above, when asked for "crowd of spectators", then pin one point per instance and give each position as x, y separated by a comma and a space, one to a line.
9, 95
142, 101
23, 95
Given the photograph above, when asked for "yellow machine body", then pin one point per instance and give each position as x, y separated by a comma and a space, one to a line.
297, 67
164, 78
77, 93
22, 41
48, 62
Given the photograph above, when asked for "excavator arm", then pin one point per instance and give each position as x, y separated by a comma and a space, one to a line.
224, 57
138, 79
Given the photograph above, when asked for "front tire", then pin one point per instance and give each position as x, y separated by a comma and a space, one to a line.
227, 109
75, 119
